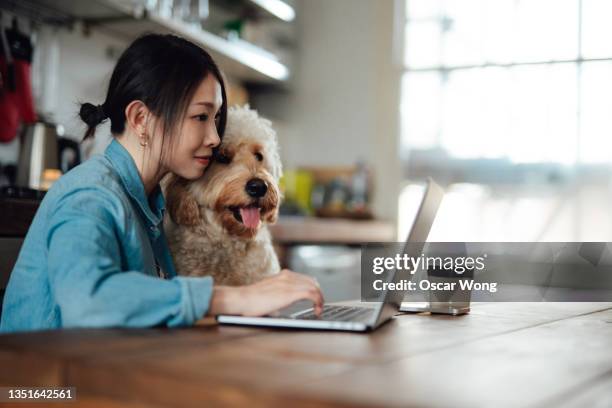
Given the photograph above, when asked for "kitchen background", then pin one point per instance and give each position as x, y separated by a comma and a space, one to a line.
504, 102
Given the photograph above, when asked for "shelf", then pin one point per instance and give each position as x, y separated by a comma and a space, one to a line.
229, 53
293, 230
130, 20
245, 63
277, 8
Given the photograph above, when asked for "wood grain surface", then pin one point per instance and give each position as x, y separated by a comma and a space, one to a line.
501, 354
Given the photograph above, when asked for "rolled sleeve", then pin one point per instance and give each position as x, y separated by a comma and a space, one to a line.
196, 293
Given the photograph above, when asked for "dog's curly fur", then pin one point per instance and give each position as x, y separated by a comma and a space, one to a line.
203, 225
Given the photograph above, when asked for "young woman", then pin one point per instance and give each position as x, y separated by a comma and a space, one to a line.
95, 254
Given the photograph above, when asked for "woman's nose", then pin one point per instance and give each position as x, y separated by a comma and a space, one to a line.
212, 139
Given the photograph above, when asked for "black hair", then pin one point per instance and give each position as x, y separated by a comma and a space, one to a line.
161, 70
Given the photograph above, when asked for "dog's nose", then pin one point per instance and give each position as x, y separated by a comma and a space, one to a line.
256, 188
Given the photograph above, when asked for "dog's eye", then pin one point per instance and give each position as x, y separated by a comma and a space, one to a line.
222, 158
259, 156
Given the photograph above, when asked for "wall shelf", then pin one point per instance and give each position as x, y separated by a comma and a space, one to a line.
277, 8
129, 19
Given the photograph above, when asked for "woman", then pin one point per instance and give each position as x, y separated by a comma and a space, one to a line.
95, 254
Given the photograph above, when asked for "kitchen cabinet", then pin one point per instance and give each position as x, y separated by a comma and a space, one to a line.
15, 218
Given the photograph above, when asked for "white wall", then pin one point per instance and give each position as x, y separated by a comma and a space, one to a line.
86, 64
345, 100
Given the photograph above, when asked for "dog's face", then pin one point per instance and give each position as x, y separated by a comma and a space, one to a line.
240, 186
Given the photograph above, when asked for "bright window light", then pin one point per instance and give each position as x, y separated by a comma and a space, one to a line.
504, 80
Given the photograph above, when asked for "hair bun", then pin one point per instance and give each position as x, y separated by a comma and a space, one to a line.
92, 115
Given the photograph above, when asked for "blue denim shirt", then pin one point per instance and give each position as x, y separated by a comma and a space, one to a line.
89, 257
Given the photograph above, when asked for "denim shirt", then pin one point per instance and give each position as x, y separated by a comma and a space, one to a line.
89, 257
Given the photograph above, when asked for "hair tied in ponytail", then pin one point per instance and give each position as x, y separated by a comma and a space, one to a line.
92, 115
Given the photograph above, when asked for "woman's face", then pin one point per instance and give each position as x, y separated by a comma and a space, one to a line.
192, 149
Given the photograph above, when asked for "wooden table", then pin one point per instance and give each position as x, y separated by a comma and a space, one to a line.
502, 354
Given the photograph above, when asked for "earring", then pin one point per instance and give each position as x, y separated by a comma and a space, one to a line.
144, 140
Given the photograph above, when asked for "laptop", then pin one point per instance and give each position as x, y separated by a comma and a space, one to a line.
357, 316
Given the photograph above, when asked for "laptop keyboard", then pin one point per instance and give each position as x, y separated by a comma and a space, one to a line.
337, 313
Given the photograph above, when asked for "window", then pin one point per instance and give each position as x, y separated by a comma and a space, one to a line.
510, 93
522, 81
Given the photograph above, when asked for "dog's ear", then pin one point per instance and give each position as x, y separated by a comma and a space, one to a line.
182, 206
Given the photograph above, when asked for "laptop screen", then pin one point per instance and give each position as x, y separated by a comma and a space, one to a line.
432, 198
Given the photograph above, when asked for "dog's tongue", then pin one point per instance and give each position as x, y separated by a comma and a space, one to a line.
250, 216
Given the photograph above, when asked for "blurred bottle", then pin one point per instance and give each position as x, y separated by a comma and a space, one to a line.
164, 8
192, 11
337, 197
297, 188
359, 189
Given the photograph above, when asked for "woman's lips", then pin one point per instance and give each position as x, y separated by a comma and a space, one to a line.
203, 160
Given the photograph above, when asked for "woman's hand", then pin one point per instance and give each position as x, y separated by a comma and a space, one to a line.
266, 296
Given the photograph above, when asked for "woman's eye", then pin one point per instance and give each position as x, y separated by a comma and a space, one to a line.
202, 118
259, 156
223, 159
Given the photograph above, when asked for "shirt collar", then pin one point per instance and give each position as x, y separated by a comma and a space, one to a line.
128, 172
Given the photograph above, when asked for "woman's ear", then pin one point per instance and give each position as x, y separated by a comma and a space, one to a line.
182, 206
136, 113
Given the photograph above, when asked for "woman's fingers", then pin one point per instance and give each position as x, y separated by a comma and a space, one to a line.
300, 277
314, 296
282, 290
267, 296
311, 290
